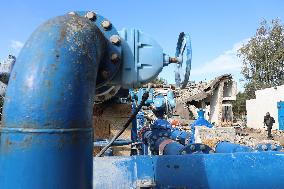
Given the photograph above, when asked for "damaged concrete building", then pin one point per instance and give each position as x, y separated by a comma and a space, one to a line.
215, 96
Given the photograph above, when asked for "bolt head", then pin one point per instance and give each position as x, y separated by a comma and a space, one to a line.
115, 39
114, 58
101, 98
273, 147
91, 15
192, 147
202, 147
264, 147
105, 74
106, 24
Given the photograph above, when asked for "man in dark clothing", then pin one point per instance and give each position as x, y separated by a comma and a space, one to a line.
268, 122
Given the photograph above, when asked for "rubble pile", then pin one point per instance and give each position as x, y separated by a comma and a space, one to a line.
192, 91
248, 137
211, 136
201, 90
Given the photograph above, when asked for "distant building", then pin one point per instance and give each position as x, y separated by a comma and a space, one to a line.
267, 100
215, 96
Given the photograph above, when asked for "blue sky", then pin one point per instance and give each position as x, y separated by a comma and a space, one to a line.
217, 28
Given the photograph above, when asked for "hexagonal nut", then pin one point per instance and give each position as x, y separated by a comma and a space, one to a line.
273, 147
114, 58
264, 147
106, 24
192, 147
202, 147
101, 98
105, 74
115, 39
91, 15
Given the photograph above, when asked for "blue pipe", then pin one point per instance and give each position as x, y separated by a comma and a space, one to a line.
228, 147
260, 170
173, 148
182, 136
134, 135
118, 142
46, 135
201, 121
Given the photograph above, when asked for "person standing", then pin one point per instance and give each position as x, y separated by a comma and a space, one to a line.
268, 122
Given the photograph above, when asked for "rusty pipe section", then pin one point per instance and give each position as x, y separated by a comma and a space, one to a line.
46, 134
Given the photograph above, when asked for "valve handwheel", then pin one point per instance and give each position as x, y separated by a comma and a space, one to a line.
182, 71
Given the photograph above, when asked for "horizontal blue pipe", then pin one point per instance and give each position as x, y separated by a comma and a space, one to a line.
173, 148
181, 136
228, 147
119, 142
242, 170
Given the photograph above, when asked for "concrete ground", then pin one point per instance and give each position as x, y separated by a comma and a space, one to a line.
249, 136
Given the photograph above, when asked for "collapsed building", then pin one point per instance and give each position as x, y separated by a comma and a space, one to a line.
215, 96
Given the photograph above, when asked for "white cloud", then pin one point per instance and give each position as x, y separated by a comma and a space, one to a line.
227, 62
16, 45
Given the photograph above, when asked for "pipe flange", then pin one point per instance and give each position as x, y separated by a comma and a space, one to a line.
105, 93
112, 60
196, 149
163, 145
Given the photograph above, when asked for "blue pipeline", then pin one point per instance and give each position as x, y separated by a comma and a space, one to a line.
46, 136
201, 121
197, 171
268, 147
182, 137
118, 142
173, 148
171, 99
228, 147
134, 135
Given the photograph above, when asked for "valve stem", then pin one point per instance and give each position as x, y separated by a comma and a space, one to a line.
173, 60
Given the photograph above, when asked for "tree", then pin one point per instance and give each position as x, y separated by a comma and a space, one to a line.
239, 105
263, 58
160, 81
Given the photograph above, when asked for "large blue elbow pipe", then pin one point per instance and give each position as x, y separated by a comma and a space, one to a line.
46, 134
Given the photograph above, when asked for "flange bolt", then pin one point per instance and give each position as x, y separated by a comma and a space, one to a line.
91, 15
106, 24
115, 39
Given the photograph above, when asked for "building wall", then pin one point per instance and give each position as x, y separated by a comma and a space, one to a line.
108, 120
230, 90
216, 105
266, 101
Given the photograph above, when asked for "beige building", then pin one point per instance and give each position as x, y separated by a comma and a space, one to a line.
265, 101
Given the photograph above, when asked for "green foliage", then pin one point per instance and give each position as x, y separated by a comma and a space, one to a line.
239, 106
263, 58
160, 81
